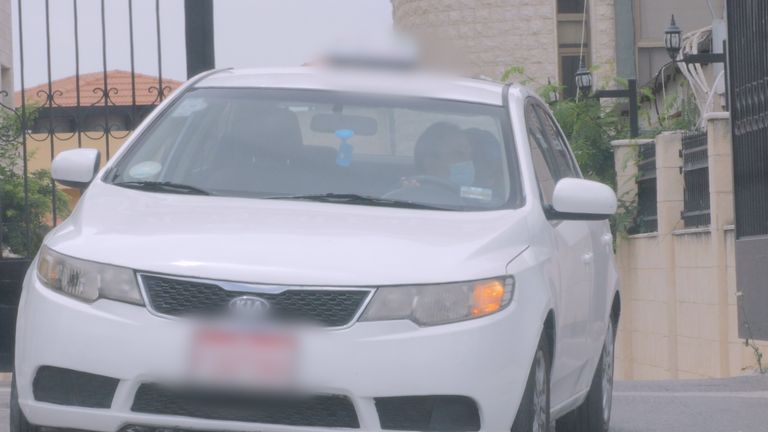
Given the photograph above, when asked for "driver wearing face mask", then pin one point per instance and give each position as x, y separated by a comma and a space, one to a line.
444, 152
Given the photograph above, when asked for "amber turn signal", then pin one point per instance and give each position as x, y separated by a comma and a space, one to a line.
489, 296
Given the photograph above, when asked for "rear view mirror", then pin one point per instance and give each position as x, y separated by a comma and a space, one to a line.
580, 199
330, 123
76, 168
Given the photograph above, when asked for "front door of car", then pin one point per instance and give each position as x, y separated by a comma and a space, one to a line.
572, 246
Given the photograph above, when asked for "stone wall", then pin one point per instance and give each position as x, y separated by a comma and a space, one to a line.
493, 35
680, 317
603, 41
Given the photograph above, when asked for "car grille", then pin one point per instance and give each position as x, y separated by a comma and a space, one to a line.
183, 297
311, 411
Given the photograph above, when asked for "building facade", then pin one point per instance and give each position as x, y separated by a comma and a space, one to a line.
546, 39
550, 38
653, 16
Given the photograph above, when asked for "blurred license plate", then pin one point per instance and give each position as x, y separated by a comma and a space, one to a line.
244, 357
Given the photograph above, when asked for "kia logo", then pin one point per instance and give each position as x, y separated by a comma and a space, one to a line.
249, 306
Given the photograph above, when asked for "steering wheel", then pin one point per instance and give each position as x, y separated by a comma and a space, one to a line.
426, 188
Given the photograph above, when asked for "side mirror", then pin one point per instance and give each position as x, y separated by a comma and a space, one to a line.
580, 199
76, 168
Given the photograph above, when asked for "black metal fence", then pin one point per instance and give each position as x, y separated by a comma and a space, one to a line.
695, 170
748, 82
748, 59
38, 122
102, 113
646, 219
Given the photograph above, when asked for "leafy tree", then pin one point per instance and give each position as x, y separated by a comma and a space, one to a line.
590, 128
14, 213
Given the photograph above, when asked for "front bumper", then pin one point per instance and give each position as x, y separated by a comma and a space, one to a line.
487, 360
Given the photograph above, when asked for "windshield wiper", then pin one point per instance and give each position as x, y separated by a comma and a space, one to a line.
164, 186
349, 198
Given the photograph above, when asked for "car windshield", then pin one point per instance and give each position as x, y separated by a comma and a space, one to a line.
327, 146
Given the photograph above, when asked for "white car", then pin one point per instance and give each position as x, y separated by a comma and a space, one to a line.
316, 249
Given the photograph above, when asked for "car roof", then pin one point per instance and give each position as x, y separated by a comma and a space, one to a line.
397, 83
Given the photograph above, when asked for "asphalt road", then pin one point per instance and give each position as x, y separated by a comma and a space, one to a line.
732, 405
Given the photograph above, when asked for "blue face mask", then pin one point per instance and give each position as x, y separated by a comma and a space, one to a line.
463, 173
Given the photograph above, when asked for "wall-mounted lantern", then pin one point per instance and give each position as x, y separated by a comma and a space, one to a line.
673, 41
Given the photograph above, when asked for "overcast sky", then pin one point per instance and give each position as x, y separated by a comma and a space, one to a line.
247, 33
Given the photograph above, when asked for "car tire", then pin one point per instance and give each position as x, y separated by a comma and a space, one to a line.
18, 422
594, 414
533, 413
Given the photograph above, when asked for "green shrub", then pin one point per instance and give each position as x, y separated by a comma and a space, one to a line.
15, 213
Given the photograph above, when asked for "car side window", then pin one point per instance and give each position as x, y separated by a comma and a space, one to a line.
566, 166
541, 155
551, 158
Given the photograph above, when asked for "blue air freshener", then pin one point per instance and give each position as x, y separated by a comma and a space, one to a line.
344, 156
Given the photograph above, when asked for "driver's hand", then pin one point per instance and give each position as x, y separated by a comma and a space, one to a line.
407, 182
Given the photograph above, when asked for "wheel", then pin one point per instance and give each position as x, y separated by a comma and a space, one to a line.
19, 423
594, 414
533, 414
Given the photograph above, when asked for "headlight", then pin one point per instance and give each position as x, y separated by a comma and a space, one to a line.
428, 305
87, 280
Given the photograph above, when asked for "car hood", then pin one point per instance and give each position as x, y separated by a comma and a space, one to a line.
287, 242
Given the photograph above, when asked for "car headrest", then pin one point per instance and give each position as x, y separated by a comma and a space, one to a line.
266, 132
429, 142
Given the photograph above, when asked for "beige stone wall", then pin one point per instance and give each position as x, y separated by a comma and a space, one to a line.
678, 285
492, 35
603, 41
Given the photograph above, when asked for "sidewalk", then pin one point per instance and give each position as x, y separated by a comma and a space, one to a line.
722, 405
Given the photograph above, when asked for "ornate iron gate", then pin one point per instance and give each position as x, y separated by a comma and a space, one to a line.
51, 118
748, 62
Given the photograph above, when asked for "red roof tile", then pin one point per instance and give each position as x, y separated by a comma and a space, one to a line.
118, 81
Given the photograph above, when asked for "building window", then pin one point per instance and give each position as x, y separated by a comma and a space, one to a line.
570, 6
569, 64
573, 37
